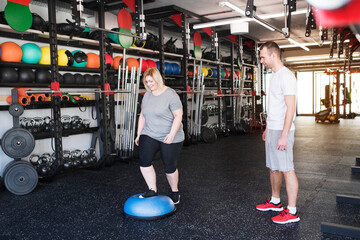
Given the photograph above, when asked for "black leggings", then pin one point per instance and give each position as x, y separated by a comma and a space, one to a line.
148, 147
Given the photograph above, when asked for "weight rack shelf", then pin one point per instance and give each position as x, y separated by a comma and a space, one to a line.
65, 133
47, 104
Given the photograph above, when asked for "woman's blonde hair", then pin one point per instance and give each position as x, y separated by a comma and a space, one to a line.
155, 74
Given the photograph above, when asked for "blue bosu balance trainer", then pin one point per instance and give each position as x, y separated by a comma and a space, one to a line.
149, 208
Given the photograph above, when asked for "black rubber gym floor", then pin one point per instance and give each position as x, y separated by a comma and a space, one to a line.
220, 185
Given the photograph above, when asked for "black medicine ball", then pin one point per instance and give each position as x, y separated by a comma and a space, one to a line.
80, 57
79, 79
60, 78
26, 75
68, 78
42, 76
89, 79
8, 75
97, 79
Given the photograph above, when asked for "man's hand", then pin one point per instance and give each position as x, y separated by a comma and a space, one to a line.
282, 143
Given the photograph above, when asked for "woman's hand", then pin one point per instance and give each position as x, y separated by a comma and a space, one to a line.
137, 140
169, 138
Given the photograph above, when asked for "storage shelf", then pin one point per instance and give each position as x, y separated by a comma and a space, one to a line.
65, 133
47, 104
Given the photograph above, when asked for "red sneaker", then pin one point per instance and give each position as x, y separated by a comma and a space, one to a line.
269, 206
286, 217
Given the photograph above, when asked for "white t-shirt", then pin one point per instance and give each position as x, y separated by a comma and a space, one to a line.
282, 82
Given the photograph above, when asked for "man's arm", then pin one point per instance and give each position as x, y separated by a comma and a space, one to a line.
289, 115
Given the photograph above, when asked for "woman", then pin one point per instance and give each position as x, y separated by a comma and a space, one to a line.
159, 128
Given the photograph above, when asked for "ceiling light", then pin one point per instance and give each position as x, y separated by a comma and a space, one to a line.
219, 23
230, 5
319, 57
298, 44
304, 44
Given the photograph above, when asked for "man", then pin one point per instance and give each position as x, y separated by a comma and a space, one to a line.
279, 135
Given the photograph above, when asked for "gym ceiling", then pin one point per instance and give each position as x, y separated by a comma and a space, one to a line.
202, 11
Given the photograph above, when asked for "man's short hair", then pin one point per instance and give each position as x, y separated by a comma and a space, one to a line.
272, 47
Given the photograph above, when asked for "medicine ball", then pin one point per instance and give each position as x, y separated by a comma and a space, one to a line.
117, 60
114, 37
26, 75
45, 56
93, 60
42, 76
168, 68
227, 73
190, 71
10, 52
132, 62
79, 78
204, 71
65, 58
151, 63
31, 53
210, 72
175, 68
89, 79
215, 72
108, 60
8, 75
97, 79
80, 58
38, 23
137, 42
223, 74
158, 65
60, 78
68, 78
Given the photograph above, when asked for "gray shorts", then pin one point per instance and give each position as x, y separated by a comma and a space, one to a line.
276, 159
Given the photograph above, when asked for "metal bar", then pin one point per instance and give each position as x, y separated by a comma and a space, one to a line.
74, 92
55, 100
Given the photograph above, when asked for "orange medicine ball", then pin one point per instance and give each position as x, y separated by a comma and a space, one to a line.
132, 62
93, 60
117, 60
11, 52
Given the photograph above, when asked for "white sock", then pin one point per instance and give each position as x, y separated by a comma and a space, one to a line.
292, 210
275, 200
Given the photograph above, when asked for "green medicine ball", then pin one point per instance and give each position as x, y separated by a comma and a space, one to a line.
80, 58
31, 53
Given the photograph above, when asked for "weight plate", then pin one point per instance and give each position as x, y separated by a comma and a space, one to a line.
17, 143
20, 177
16, 109
208, 135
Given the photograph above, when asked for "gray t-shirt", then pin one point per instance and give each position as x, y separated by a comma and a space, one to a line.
282, 82
159, 118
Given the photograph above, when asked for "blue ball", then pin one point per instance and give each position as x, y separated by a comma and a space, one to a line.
149, 208
158, 65
175, 68
31, 53
215, 72
168, 68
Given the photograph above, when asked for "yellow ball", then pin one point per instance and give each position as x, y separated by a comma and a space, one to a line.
45, 57
65, 58
205, 71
